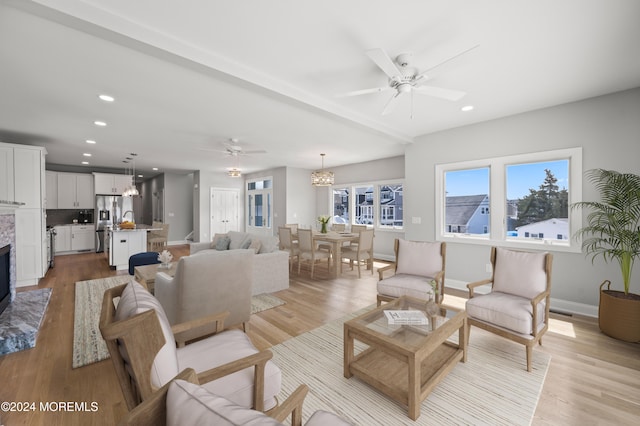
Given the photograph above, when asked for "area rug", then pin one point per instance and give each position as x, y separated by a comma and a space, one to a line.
491, 388
88, 345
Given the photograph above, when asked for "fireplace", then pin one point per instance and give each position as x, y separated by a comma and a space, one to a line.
5, 277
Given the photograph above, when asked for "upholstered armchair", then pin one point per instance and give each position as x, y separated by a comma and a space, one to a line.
183, 399
417, 264
517, 307
206, 283
142, 345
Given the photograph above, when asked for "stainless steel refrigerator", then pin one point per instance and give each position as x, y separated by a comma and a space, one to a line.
111, 210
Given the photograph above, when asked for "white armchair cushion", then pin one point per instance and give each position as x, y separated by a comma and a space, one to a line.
512, 312
405, 285
325, 418
226, 347
519, 273
136, 299
419, 258
190, 404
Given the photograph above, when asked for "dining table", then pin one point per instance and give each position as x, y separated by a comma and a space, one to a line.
336, 239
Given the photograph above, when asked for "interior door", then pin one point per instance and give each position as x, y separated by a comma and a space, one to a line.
224, 210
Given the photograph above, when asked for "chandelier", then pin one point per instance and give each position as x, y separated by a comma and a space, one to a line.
131, 190
322, 177
234, 173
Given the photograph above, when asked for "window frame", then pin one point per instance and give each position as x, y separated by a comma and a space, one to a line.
498, 200
376, 207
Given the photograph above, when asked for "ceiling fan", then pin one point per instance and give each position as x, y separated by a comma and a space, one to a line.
405, 78
233, 148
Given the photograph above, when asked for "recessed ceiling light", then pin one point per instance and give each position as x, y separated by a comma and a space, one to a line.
99, 123
86, 154
155, 169
90, 141
85, 162
107, 98
140, 175
467, 108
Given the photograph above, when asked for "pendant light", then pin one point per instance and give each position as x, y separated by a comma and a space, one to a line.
322, 177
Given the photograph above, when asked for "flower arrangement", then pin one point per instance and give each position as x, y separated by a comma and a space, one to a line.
324, 220
165, 257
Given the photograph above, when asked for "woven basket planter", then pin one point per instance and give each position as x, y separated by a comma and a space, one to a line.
619, 314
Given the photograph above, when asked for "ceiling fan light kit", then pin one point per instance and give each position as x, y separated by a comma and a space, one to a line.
234, 173
322, 177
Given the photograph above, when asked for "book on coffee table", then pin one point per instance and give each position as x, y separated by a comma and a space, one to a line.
406, 317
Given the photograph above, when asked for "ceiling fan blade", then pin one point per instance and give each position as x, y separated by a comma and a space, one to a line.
439, 92
253, 151
391, 104
448, 61
385, 63
364, 91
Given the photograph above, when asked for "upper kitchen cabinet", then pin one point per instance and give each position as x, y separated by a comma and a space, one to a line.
52, 189
75, 191
111, 184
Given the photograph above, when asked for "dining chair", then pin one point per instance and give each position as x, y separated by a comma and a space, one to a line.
362, 252
355, 229
308, 251
517, 307
287, 244
293, 227
338, 227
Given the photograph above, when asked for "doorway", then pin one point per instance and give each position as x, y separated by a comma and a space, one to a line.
260, 206
224, 207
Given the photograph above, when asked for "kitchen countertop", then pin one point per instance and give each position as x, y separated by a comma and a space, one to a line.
139, 227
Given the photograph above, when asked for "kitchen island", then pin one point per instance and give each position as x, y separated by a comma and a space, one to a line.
123, 243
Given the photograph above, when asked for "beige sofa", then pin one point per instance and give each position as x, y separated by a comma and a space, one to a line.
270, 271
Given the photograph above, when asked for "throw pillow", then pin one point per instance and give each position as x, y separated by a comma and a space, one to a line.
255, 245
216, 238
191, 404
246, 244
223, 243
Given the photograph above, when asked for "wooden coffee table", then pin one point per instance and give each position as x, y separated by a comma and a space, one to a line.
405, 362
146, 274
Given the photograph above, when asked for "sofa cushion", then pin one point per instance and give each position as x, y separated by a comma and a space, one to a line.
223, 243
226, 347
419, 258
191, 404
246, 244
136, 299
269, 243
520, 273
237, 239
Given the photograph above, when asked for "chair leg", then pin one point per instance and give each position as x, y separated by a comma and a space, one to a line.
359, 276
313, 266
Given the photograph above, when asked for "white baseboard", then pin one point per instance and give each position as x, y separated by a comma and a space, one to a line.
557, 305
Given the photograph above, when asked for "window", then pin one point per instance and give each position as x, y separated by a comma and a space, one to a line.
516, 201
378, 204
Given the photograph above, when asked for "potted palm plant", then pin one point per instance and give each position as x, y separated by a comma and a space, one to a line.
613, 231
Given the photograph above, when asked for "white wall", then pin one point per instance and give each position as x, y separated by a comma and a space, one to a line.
178, 205
608, 129
301, 200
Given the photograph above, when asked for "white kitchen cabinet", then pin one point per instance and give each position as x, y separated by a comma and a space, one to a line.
82, 237
75, 191
111, 184
51, 183
22, 180
125, 243
63, 238
6, 174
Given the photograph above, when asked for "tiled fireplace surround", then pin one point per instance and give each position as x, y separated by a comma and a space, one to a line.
8, 236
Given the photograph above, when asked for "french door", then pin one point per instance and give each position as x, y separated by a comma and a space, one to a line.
260, 206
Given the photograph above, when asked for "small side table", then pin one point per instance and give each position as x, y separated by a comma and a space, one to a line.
146, 274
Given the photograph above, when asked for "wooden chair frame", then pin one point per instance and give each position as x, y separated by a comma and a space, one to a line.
536, 335
141, 337
358, 249
439, 278
153, 411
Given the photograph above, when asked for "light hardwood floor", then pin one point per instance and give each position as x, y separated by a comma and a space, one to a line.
592, 379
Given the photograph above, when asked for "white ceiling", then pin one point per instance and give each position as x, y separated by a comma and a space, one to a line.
191, 74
